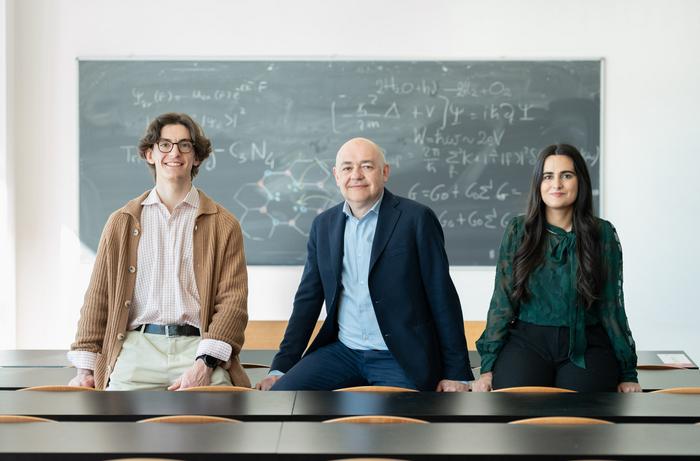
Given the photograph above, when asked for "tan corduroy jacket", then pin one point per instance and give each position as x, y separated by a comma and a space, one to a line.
220, 274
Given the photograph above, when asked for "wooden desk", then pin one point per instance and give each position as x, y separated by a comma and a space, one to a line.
136, 405
499, 407
99, 441
315, 441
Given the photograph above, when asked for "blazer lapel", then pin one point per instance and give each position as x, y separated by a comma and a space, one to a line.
388, 217
336, 237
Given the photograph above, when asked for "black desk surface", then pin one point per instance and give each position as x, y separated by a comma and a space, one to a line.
136, 405
499, 407
315, 441
318, 406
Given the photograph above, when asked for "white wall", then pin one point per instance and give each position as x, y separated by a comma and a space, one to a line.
651, 99
7, 234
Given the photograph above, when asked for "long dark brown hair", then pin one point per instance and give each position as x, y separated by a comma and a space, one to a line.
530, 254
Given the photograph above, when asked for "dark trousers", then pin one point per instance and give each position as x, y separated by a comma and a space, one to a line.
537, 355
336, 366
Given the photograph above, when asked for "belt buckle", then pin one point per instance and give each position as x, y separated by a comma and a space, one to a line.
167, 331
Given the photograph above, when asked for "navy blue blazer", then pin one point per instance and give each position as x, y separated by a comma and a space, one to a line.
415, 301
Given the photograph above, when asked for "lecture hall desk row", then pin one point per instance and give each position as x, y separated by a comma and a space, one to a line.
27, 368
318, 441
305, 406
50, 358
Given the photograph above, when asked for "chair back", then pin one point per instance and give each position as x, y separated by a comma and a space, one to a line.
535, 389
24, 419
375, 389
60, 388
557, 420
189, 419
377, 419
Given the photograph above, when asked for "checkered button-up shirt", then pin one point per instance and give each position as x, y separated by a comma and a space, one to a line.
165, 291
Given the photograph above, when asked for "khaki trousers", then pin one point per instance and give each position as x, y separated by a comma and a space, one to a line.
153, 362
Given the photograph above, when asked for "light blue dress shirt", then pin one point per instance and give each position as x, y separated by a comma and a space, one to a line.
357, 323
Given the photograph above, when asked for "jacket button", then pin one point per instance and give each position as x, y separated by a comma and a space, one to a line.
127, 304
195, 227
120, 336
109, 368
135, 232
132, 269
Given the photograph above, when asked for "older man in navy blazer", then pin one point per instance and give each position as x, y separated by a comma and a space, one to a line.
393, 314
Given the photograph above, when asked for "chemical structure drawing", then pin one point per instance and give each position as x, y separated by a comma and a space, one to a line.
291, 197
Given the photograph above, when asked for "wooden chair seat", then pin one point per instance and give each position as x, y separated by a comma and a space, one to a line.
24, 419
535, 389
144, 459
661, 366
218, 389
377, 419
556, 420
369, 459
375, 389
60, 388
248, 365
678, 390
189, 419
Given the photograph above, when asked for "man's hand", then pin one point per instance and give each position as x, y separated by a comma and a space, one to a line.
267, 383
629, 387
447, 385
197, 375
483, 384
84, 378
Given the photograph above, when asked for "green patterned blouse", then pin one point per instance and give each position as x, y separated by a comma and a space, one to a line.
553, 300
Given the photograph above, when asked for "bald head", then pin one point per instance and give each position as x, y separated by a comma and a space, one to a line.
364, 145
360, 172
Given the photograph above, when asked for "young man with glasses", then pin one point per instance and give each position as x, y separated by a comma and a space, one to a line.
167, 302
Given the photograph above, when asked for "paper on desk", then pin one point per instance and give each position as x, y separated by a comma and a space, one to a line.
675, 359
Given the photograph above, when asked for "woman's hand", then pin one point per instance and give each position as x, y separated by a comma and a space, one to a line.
629, 387
483, 384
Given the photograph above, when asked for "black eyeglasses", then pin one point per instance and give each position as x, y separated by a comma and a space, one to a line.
185, 146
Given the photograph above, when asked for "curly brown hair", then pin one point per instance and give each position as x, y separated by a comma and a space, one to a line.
202, 144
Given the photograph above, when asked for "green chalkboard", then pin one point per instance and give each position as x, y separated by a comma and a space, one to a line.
461, 137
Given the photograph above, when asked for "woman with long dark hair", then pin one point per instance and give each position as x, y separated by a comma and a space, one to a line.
557, 315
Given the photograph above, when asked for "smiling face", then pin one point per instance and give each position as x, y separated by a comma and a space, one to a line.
360, 172
559, 186
174, 165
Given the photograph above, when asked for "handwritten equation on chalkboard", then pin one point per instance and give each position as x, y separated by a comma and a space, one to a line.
460, 136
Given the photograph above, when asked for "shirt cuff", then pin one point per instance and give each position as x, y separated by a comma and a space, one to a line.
218, 349
275, 373
82, 359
